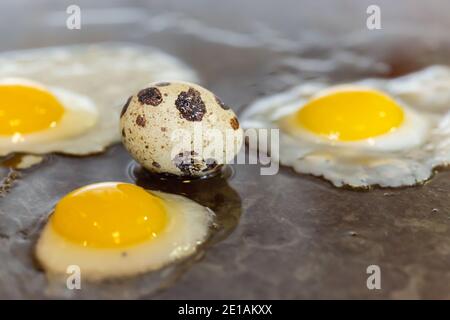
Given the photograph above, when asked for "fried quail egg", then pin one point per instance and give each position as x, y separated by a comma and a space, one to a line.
32, 115
68, 99
386, 132
179, 128
116, 229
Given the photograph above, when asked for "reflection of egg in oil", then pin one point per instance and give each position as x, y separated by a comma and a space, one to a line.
118, 229
373, 132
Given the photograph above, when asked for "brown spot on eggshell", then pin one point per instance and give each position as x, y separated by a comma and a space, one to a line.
210, 164
150, 96
187, 162
140, 121
156, 164
125, 107
221, 104
163, 129
162, 84
123, 133
190, 105
234, 122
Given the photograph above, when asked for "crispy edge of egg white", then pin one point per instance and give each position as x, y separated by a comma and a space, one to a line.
259, 114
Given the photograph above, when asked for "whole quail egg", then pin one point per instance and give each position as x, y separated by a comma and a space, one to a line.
179, 128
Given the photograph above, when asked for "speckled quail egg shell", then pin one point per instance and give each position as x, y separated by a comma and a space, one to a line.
150, 118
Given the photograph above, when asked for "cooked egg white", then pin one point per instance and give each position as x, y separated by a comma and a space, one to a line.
68, 99
32, 115
373, 132
116, 229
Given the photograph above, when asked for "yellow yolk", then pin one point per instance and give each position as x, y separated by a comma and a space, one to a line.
350, 114
26, 109
109, 215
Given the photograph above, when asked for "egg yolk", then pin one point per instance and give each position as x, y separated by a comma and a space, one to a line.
109, 215
351, 114
26, 109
